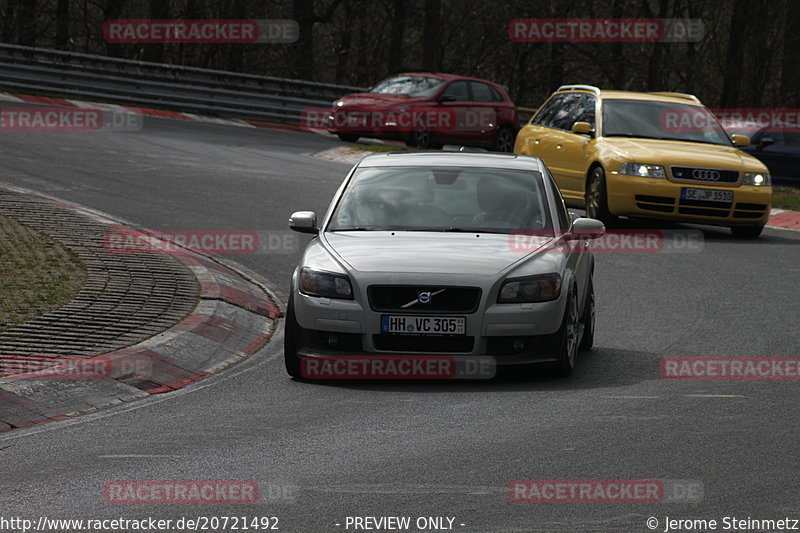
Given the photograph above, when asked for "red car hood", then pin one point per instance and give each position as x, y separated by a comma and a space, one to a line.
378, 100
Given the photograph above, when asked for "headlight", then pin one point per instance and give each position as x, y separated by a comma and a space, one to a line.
756, 178
642, 170
542, 288
325, 284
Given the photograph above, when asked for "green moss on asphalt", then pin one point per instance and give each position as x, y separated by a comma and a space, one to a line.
37, 274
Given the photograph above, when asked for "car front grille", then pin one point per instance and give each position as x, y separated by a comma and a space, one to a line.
440, 299
433, 344
662, 204
704, 175
705, 212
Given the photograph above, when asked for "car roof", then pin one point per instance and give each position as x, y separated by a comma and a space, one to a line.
609, 94
443, 76
453, 159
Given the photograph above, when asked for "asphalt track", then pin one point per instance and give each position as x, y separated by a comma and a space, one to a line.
323, 452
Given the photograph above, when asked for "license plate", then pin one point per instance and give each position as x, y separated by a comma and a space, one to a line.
423, 325
708, 195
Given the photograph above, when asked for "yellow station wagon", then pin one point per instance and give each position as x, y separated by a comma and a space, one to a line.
649, 155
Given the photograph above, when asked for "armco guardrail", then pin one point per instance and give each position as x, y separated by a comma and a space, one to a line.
141, 83
146, 84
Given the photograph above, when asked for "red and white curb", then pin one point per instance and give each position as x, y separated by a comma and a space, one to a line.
234, 318
161, 113
783, 219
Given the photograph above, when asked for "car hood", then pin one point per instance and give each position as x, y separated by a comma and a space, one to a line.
668, 153
378, 100
428, 252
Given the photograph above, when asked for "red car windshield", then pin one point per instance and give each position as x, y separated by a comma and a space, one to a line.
420, 86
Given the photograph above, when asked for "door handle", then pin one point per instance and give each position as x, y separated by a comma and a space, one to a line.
558, 147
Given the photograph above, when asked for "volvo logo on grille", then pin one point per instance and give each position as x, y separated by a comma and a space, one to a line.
705, 174
424, 297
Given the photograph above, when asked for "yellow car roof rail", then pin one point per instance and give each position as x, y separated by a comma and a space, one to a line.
590, 88
685, 96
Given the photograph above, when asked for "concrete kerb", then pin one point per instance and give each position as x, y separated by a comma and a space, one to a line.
235, 316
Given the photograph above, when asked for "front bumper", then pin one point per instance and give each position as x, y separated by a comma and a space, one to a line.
511, 333
661, 198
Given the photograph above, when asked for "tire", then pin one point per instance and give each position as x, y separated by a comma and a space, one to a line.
746, 232
597, 198
423, 140
291, 333
587, 341
347, 137
568, 349
504, 140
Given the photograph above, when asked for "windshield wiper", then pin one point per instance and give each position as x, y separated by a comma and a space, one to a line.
436, 228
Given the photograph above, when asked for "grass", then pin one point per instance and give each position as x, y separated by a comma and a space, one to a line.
37, 274
786, 198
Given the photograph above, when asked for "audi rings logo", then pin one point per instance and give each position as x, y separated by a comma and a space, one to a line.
705, 174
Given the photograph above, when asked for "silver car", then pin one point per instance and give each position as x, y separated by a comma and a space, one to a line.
421, 255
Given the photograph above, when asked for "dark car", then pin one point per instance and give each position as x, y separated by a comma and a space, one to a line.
428, 110
780, 151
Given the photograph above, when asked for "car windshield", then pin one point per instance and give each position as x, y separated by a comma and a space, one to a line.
442, 199
662, 120
421, 86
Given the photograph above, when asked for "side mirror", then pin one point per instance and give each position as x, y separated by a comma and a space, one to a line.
740, 140
764, 142
586, 228
447, 98
584, 128
304, 222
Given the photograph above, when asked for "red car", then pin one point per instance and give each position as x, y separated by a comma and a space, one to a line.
428, 110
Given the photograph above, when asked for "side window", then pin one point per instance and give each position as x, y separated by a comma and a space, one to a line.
565, 116
458, 90
545, 114
585, 110
481, 92
791, 138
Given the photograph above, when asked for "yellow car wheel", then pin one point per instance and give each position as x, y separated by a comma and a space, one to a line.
597, 198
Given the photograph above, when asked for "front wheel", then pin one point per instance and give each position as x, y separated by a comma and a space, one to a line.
504, 140
746, 232
587, 341
597, 198
570, 329
423, 140
291, 333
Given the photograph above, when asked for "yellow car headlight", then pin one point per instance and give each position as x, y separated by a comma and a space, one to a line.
759, 179
643, 170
